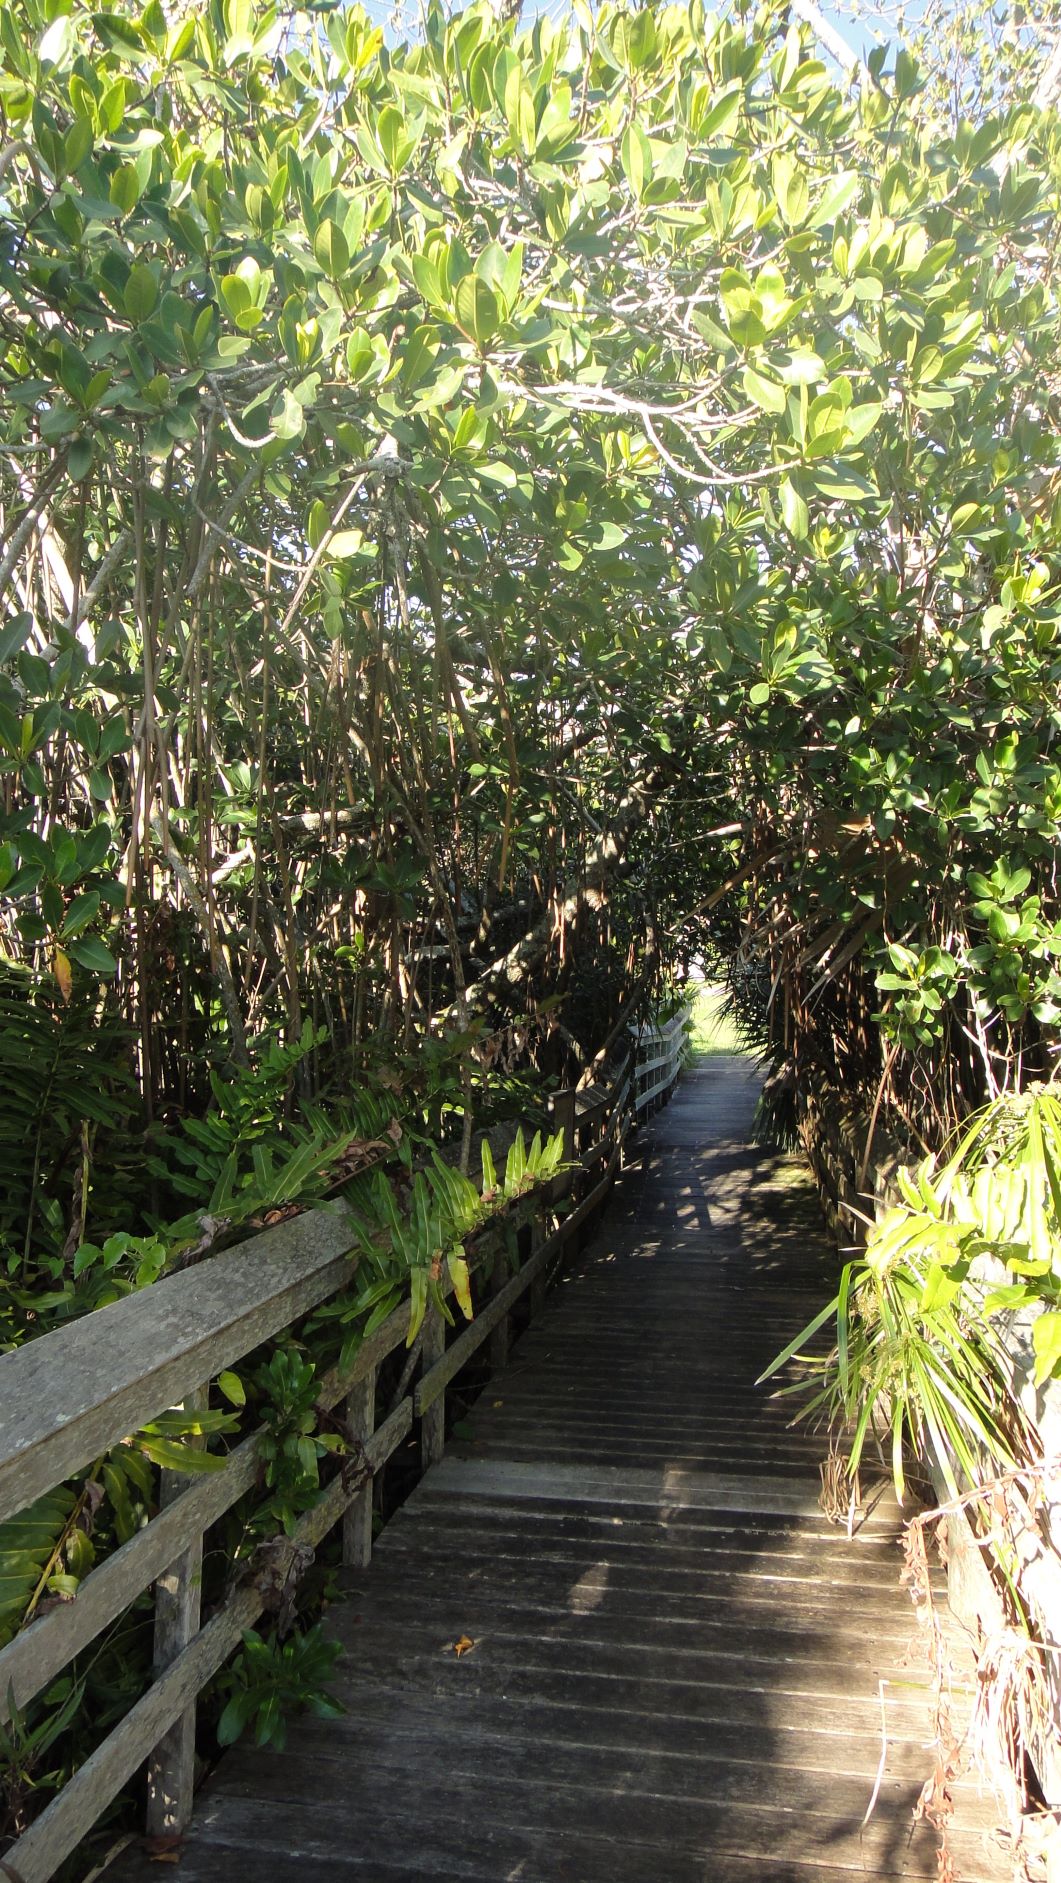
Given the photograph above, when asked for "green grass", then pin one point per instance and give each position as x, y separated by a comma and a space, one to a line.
713, 1030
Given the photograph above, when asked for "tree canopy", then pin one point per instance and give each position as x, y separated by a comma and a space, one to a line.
467, 503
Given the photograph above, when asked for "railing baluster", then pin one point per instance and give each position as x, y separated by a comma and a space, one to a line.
178, 1597
499, 1339
433, 1422
537, 1287
562, 1118
357, 1523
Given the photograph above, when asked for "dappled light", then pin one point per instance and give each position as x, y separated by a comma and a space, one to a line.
678, 1662
530, 781
589, 1592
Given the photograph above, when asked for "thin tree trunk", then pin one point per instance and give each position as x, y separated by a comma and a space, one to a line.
604, 859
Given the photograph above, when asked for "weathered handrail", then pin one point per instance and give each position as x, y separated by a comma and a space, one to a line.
70, 1396
75, 1392
658, 1057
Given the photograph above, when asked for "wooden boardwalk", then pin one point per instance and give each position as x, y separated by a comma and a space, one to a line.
677, 1661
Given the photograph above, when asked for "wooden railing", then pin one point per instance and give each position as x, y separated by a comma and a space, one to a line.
658, 1054
67, 1398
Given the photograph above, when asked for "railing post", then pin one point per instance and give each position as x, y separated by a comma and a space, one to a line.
498, 1344
562, 1118
357, 1521
178, 1596
537, 1287
433, 1421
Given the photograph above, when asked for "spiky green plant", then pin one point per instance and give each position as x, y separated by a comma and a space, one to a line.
921, 1360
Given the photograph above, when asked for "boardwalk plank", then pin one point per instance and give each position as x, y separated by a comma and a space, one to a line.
389, 1852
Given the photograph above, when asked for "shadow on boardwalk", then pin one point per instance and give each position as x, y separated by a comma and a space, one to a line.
677, 1661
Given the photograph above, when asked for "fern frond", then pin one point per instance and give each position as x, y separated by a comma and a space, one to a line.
28, 1544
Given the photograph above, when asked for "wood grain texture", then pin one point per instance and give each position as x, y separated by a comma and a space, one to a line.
677, 1662
360, 1425
171, 1767
154, 1348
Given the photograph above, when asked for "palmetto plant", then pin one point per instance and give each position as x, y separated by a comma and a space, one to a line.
922, 1364
932, 1360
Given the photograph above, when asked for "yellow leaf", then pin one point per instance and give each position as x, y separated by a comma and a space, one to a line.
62, 971
461, 1280
464, 1645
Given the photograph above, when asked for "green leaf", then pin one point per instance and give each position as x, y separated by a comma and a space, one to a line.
83, 910
141, 293
124, 189
331, 250
287, 419
428, 280
397, 141
234, 1718
477, 310
742, 308
840, 484
1046, 1339
462, 1288
15, 635
518, 105
764, 392
317, 521
236, 294
636, 152
345, 544
79, 141
794, 510
118, 33
360, 355
89, 952
80, 458
177, 1457
858, 422
836, 197
417, 1303
723, 114
56, 41
801, 367
800, 1341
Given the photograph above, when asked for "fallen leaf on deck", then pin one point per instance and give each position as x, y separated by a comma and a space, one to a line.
164, 1849
463, 1646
